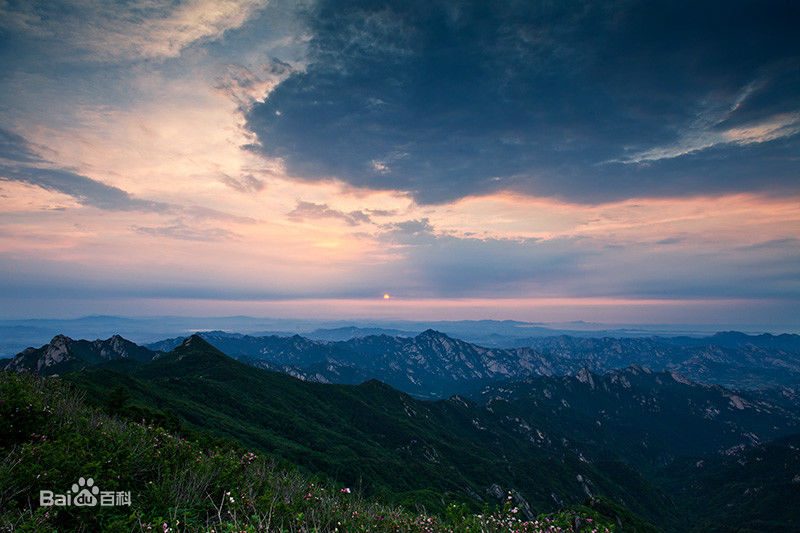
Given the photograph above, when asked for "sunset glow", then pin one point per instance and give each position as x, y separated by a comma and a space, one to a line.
197, 163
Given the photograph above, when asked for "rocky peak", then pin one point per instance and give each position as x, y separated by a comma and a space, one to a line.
117, 343
54, 353
584, 376
432, 334
680, 378
436, 340
197, 349
60, 340
63, 354
637, 369
194, 341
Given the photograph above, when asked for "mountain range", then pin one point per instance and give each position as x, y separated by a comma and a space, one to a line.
63, 354
655, 442
17, 334
369, 435
432, 364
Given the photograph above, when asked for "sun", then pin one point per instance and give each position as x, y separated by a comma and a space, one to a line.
386, 296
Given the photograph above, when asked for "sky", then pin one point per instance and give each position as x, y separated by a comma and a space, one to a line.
618, 162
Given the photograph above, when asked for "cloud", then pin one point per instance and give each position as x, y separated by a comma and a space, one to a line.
93, 193
773, 128
789, 244
441, 264
180, 230
670, 240
409, 232
438, 263
588, 102
708, 135
111, 30
85, 190
413, 227
16, 148
246, 86
447, 100
244, 183
90, 192
44, 174
309, 210
691, 274
381, 212
457, 266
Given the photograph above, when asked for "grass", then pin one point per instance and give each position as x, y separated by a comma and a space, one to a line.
50, 437
395, 448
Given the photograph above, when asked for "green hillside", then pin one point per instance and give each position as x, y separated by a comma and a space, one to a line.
677, 453
750, 490
368, 436
50, 439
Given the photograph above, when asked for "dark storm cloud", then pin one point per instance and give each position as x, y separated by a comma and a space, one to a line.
586, 101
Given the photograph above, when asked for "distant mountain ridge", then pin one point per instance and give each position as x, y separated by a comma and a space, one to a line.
731, 359
434, 364
16, 335
431, 364
736, 339
649, 416
353, 332
63, 354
